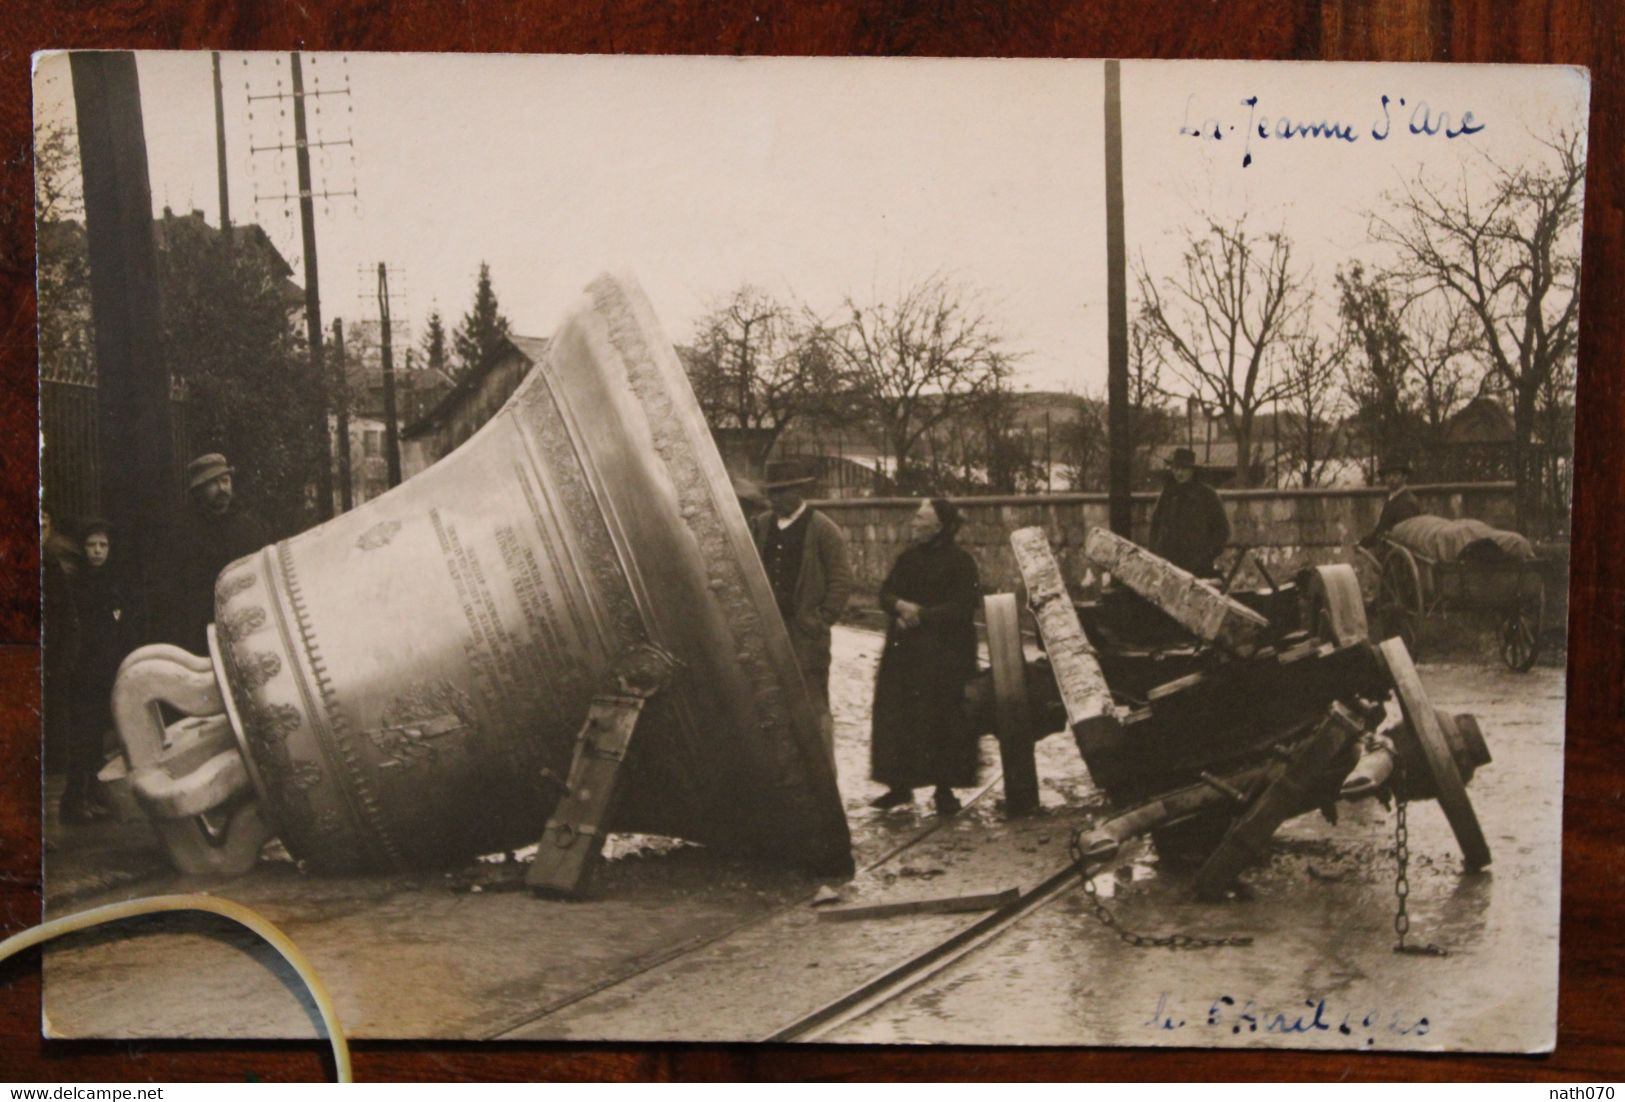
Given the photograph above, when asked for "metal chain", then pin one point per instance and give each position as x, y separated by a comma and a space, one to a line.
1402, 882
1142, 941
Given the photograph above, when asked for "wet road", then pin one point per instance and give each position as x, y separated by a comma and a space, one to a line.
1321, 971
681, 944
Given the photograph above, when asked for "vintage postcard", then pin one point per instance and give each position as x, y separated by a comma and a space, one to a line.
895, 551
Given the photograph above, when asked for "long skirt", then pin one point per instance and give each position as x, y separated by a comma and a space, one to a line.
920, 735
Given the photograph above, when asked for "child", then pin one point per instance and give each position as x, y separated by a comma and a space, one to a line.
106, 633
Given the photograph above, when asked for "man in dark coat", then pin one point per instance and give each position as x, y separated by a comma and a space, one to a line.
1188, 525
216, 532
920, 733
1400, 505
804, 553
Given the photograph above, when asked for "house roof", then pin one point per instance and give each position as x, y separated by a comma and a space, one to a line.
1481, 421
532, 349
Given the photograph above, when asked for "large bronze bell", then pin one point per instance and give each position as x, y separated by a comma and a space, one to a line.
405, 683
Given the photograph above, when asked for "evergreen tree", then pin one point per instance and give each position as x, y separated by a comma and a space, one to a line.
482, 330
434, 342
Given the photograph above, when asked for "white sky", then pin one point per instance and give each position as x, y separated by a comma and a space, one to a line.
812, 178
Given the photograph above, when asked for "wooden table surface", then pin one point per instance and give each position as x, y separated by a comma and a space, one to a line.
1574, 32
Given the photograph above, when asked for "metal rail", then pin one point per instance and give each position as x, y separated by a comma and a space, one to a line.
710, 939
915, 971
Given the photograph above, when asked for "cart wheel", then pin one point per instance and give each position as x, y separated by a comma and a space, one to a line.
1010, 704
1520, 631
1335, 611
1399, 597
1422, 727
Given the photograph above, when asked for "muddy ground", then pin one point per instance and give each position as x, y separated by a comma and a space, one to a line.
679, 943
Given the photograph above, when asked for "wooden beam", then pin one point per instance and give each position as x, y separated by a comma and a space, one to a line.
1084, 691
1192, 603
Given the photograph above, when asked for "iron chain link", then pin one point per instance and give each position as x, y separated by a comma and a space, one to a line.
1106, 918
1402, 882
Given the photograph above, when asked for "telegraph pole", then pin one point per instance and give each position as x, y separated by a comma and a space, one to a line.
346, 493
220, 154
392, 440
1117, 411
313, 299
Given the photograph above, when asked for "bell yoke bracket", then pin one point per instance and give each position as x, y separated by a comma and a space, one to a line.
573, 840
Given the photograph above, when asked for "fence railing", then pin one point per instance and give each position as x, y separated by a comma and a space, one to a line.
70, 461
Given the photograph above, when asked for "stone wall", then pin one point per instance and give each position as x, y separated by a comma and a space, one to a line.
1286, 529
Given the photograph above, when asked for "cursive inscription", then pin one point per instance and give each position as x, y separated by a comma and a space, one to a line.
1392, 117
1237, 1016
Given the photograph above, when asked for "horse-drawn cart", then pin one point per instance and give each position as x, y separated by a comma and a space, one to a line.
1428, 566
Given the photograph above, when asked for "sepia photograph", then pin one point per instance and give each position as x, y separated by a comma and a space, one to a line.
864, 551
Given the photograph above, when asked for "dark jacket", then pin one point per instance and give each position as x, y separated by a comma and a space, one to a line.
1398, 507
920, 733
822, 586
59, 642
209, 543
105, 621
1188, 526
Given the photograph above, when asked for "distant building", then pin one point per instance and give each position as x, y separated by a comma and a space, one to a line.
70, 464
463, 409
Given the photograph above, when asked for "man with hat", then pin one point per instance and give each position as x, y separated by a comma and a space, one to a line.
217, 531
1188, 525
1401, 503
804, 553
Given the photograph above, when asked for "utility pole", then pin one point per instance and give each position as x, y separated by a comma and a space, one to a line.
138, 476
313, 298
220, 155
392, 440
346, 480
1117, 412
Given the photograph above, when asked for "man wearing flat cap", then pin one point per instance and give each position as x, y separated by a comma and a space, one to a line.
804, 553
1401, 503
216, 532
1188, 525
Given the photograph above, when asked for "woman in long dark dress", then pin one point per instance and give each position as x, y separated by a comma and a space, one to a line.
920, 735
107, 633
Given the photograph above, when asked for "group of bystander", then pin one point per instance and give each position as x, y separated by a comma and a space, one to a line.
96, 607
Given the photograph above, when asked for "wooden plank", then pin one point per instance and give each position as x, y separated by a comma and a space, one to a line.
574, 837
1084, 691
952, 904
1291, 791
1193, 604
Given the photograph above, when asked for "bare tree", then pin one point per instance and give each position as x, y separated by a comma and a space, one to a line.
758, 363
1308, 432
1149, 423
1408, 368
1081, 445
1222, 322
1509, 254
1440, 336
917, 363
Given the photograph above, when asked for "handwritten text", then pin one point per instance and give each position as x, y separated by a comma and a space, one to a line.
1393, 117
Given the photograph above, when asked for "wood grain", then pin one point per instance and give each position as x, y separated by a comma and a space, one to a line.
1574, 32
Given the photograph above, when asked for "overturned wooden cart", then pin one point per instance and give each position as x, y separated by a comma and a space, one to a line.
1208, 719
